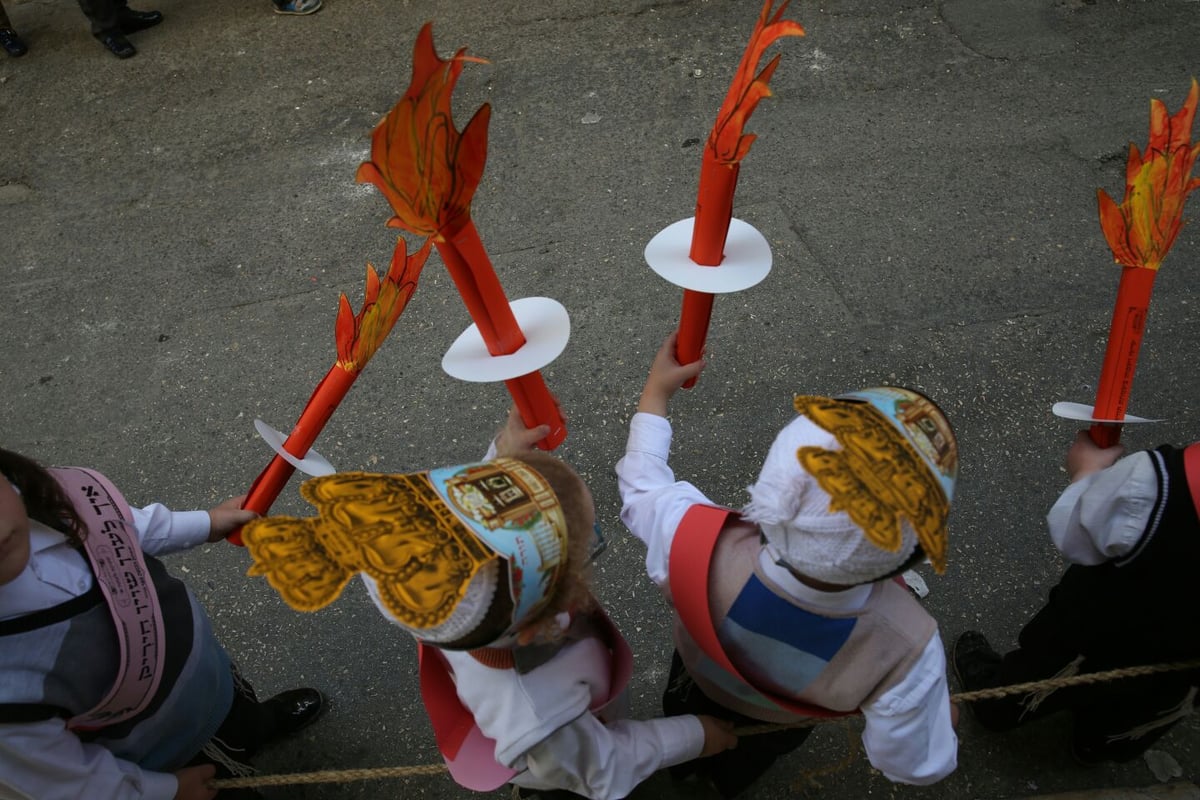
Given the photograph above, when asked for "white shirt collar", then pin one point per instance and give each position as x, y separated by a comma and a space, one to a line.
850, 599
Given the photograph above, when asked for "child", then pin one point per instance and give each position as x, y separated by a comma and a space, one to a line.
1130, 530
786, 610
174, 707
486, 565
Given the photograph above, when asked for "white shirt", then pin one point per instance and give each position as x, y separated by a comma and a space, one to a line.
1103, 515
542, 726
908, 735
43, 760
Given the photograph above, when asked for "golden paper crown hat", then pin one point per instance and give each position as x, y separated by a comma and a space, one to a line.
429, 545
852, 485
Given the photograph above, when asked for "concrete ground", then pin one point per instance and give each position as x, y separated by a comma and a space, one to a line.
176, 229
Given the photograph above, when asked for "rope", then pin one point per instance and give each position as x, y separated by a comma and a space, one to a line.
328, 776
349, 775
1004, 691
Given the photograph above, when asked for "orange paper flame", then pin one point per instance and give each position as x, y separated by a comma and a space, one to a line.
726, 147
360, 335
1143, 227
726, 139
1140, 232
428, 172
425, 168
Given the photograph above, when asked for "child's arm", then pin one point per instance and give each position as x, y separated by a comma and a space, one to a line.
607, 761
652, 501
1108, 507
164, 531
666, 377
909, 730
45, 760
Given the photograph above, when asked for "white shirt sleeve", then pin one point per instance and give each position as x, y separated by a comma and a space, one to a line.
163, 531
908, 735
652, 501
607, 761
45, 761
1103, 515
542, 727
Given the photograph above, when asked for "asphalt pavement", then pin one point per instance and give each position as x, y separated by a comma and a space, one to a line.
175, 230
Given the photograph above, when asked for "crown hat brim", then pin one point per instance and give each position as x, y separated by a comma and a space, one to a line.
428, 544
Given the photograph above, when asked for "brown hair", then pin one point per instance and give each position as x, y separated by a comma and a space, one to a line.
573, 592
44, 499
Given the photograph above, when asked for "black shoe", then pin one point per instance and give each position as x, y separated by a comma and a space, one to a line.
12, 43
1085, 757
294, 709
117, 44
975, 662
131, 21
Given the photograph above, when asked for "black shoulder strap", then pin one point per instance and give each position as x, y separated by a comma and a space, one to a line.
54, 614
30, 712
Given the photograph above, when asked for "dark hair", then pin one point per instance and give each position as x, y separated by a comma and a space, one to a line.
45, 501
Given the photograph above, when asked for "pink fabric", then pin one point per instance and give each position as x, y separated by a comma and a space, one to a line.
116, 558
470, 756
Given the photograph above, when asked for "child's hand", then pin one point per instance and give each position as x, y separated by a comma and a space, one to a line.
665, 378
1085, 457
193, 783
514, 438
718, 735
228, 517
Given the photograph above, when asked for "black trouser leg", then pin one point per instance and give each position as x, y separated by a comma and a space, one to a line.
105, 15
733, 770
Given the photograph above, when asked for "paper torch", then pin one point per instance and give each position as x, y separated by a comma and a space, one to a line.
428, 172
358, 337
713, 253
1140, 232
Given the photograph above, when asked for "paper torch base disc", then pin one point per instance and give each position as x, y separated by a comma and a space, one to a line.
747, 258
313, 463
1085, 413
546, 326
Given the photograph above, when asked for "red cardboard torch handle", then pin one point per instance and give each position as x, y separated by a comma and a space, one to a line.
1120, 357
324, 401
714, 210
471, 270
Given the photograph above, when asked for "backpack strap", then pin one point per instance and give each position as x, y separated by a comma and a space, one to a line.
690, 561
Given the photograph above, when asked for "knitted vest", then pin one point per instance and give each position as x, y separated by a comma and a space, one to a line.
1141, 608
60, 661
838, 661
